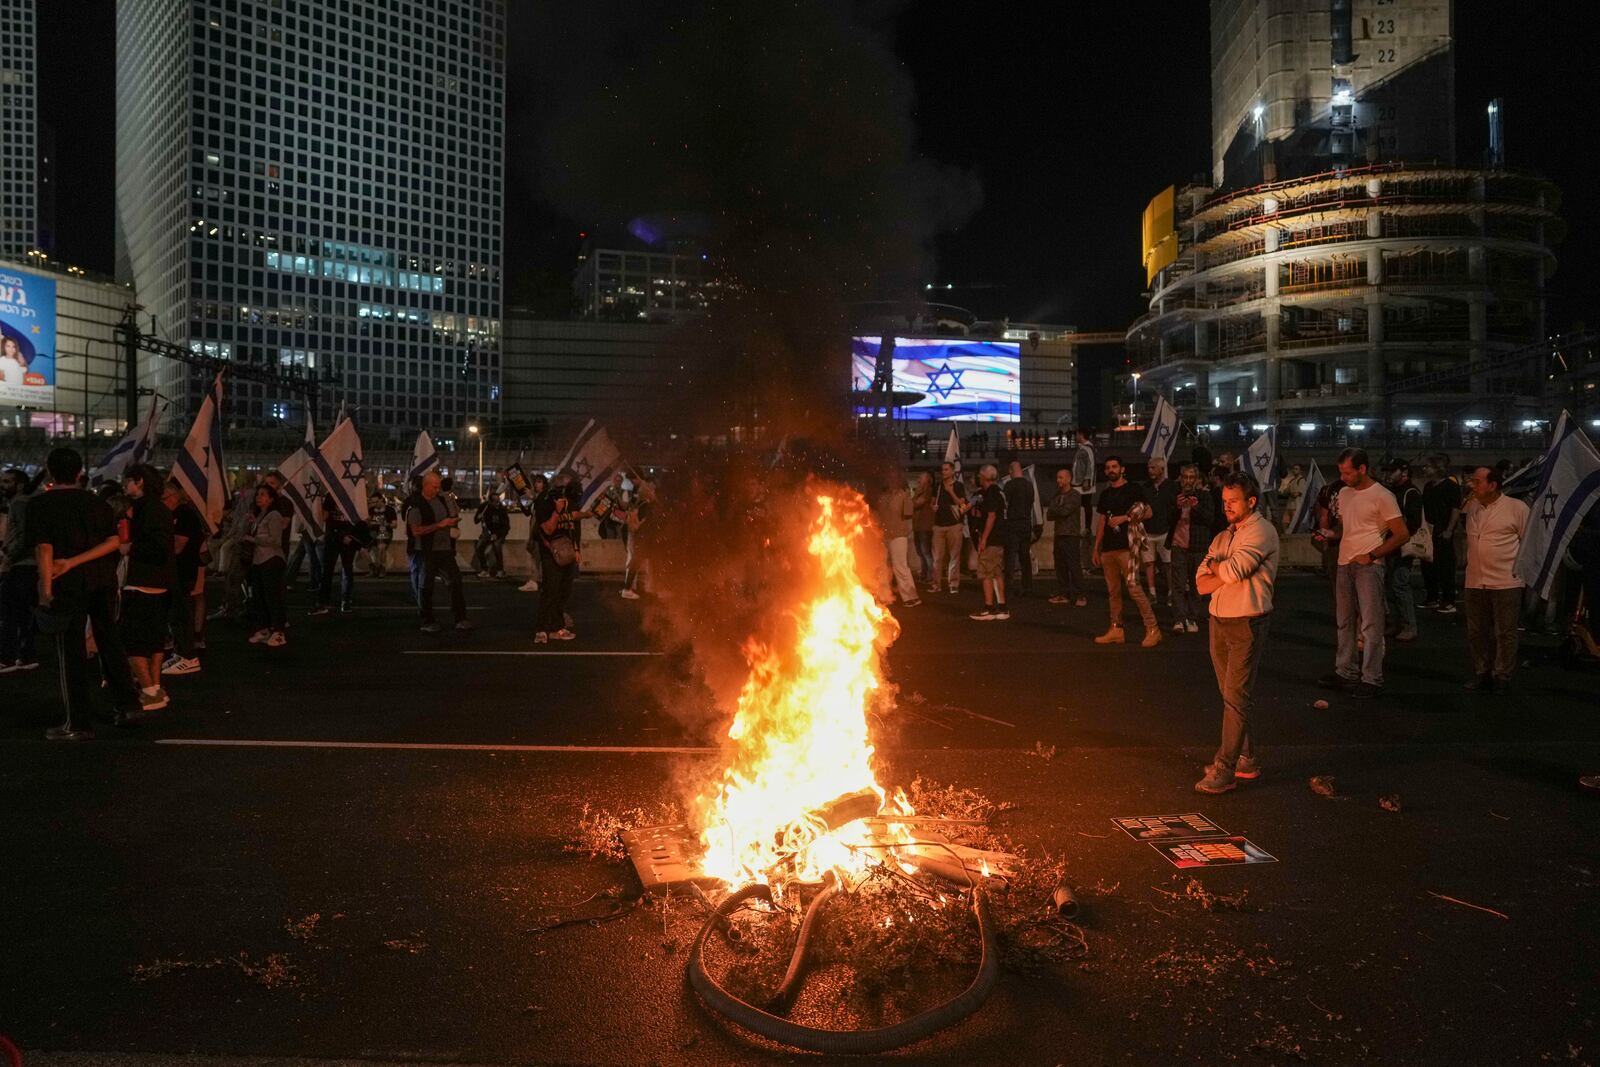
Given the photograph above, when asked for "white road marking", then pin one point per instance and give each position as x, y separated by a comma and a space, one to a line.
202, 742
512, 652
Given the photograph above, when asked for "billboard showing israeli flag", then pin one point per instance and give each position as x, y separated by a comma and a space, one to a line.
27, 339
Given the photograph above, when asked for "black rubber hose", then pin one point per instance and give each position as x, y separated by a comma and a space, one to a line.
783, 1000
813, 1039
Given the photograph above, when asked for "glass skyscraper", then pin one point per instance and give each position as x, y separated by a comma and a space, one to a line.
318, 183
19, 130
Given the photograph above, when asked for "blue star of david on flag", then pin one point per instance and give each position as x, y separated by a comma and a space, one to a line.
353, 469
943, 393
1549, 514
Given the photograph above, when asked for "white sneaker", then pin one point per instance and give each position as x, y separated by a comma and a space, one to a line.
1191, 627
1177, 627
260, 637
529, 586
277, 640
181, 665
629, 594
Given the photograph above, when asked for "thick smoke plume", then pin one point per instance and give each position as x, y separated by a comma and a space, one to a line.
785, 131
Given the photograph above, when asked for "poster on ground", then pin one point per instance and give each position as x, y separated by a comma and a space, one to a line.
27, 339
1168, 827
1224, 852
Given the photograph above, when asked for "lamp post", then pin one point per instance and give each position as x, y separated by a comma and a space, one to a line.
473, 430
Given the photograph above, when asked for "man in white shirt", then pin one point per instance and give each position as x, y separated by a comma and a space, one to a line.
1372, 529
1495, 525
1238, 573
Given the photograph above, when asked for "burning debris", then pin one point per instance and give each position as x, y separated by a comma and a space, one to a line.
796, 827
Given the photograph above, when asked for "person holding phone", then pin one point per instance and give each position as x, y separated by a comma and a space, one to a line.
430, 521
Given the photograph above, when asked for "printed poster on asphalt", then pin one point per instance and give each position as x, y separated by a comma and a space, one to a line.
1226, 852
1168, 827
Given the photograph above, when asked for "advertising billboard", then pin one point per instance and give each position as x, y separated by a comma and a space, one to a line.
27, 339
959, 379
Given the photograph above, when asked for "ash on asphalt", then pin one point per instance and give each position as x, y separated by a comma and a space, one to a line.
377, 903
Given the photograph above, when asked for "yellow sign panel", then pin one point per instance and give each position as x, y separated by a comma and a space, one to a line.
1160, 233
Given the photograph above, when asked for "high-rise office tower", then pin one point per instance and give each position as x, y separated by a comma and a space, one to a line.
318, 184
19, 129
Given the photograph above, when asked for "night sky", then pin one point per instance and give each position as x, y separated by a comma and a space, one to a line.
1068, 116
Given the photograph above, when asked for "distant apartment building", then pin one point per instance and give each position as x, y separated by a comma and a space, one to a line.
24, 149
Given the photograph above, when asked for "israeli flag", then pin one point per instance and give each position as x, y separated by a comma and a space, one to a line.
199, 466
1161, 440
132, 449
952, 452
303, 485
336, 471
424, 457
594, 459
1305, 513
1038, 512
1263, 459
1569, 486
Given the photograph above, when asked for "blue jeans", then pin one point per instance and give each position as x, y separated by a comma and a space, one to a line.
1400, 599
1359, 596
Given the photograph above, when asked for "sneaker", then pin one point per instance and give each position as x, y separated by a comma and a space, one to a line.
346, 608
1446, 609
564, 634
480, 574
1364, 691
64, 733
529, 586
1177, 627
7, 666
1218, 780
260, 637
1152, 638
1058, 599
982, 616
1191, 627
629, 594
1113, 636
181, 665
541, 638
1428, 604
914, 602
1484, 683
1591, 782
464, 626
277, 640
431, 627
320, 609
1336, 681
1001, 614
1247, 768
1081, 602
153, 701
1407, 634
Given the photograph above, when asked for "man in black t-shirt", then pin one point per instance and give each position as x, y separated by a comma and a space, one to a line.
1114, 510
73, 537
187, 607
1441, 506
148, 583
430, 521
1017, 533
986, 515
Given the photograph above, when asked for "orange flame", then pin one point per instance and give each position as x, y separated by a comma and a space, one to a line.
799, 737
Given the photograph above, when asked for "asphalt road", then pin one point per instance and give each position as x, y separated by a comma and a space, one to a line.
159, 888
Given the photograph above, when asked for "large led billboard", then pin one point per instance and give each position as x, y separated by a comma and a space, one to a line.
27, 339
960, 380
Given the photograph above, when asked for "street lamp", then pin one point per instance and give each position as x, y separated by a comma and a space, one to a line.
473, 430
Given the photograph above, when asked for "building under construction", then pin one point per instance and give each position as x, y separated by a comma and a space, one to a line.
1345, 279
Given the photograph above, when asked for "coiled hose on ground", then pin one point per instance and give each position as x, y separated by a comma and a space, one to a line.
813, 1039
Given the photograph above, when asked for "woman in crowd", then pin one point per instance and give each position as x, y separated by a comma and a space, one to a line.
537, 486
267, 534
341, 540
922, 526
556, 520
149, 576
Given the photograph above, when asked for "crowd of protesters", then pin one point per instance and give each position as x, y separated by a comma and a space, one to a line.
116, 571
1206, 544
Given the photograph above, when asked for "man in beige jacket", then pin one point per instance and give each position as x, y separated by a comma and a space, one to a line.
1238, 573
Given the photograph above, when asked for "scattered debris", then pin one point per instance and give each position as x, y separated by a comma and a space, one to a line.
144, 972
1281, 1042
304, 929
273, 972
1469, 904
413, 945
1389, 802
1043, 751
1196, 892
1324, 785
1321, 705
1333, 1016
599, 834
1502, 818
